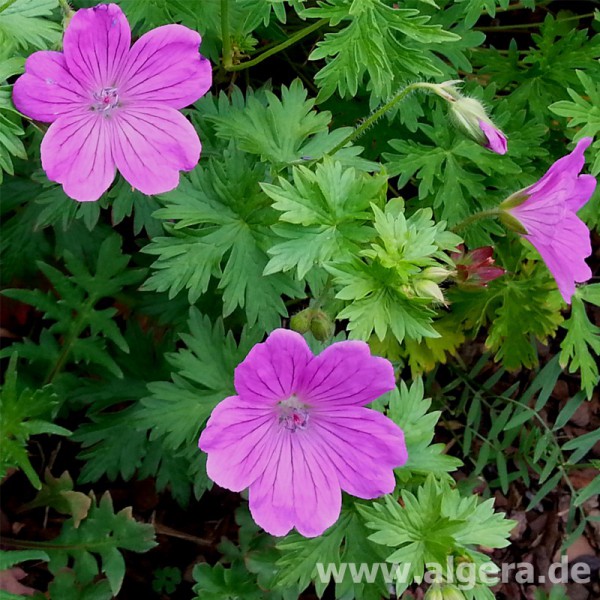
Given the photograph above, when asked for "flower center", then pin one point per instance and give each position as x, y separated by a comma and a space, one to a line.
105, 100
293, 415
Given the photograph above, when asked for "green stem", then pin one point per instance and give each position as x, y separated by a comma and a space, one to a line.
52, 546
519, 6
6, 5
278, 48
74, 332
484, 214
225, 36
66, 8
529, 25
381, 111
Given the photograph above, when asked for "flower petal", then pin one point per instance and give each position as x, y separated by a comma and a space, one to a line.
565, 254
47, 90
96, 44
364, 447
151, 145
345, 374
76, 152
164, 66
239, 439
298, 490
271, 370
561, 181
583, 188
496, 140
540, 214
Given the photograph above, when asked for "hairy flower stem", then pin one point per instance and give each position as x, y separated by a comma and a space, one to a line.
275, 49
369, 121
66, 8
484, 214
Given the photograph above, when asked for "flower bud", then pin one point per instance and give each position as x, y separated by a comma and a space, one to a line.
470, 115
467, 114
300, 322
451, 592
429, 289
433, 593
322, 327
436, 274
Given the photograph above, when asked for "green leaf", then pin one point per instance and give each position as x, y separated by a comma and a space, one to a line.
374, 41
327, 210
220, 583
580, 348
21, 413
76, 311
222, 230
22, 26
345, 542
202, 376
279, 130
583, 114
392, 290
103, 533
10, 121
432, 525
410, 410
548, 69
11, 558
58, 493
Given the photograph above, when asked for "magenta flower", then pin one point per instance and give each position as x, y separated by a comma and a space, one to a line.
113, 106
547, 212
298, 432
496, 140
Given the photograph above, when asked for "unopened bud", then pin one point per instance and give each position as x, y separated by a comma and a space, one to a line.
429, 289
436, 274
300, 322
450, 592
322, 327
470, 116
434, 593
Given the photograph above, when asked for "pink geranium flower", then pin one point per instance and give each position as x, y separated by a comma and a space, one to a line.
113, 106
298, 432
547, 212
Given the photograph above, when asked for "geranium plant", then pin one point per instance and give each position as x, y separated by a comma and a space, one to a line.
307, 285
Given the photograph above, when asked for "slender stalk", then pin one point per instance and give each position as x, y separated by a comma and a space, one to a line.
225, 35
275, 49
530, 25
484, 214
519, 6
6, 4
369, 121
66, 8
